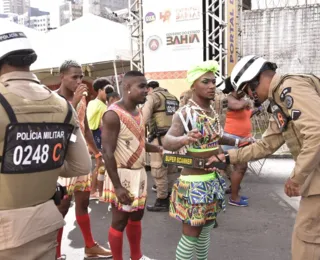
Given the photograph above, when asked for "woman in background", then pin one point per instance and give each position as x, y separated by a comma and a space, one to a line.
112, 96
237, 125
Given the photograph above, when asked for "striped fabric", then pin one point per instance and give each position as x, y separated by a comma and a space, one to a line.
185, 248
202, 246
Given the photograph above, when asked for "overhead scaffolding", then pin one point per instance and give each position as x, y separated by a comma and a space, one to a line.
136, 34
214, 30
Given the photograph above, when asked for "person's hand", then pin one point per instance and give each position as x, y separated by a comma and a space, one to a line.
124, 196
291, 189
191, 137
80, 91
248, 104
99, 162
160, 150
215, 158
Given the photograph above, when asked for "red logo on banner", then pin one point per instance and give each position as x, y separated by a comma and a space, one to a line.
165, 16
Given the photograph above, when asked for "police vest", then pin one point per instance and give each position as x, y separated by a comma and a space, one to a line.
162, 117
32, 149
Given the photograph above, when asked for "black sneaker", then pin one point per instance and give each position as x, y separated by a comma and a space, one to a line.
154, 188
161, 205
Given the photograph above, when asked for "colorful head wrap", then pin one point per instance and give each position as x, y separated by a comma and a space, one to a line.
197, 71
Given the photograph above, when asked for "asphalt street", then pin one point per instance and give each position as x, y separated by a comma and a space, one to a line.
261, 231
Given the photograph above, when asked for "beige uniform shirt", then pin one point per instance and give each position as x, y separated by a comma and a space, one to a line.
152, 104
299, 99
26, 209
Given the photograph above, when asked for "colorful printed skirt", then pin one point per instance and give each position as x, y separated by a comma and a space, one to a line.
81, 183
196, 199
135, 181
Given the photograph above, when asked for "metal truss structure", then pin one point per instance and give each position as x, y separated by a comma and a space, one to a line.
215, 26
136, 34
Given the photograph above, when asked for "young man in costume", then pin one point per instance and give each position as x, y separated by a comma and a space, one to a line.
75, 92
198, 196
124, 148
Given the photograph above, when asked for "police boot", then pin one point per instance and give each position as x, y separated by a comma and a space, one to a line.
161, 205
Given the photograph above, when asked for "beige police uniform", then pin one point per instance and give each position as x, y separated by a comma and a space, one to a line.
298, 98
29, 219
153, 113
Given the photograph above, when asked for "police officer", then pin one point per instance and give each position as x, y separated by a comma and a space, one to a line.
157, 113
39, 141
294, 102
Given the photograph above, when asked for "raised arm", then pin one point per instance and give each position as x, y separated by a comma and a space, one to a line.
236, 104
271, 141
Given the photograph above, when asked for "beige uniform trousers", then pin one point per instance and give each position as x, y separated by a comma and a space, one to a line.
306, 233
163, 176
42, 248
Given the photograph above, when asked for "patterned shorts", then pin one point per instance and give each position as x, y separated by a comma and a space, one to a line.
135, 181
81, 183
196, 202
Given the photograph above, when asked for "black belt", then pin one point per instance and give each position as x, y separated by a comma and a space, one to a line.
191, 162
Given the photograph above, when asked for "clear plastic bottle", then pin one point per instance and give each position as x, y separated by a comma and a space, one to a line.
101, 172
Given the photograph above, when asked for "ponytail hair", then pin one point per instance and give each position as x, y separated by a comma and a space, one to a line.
110, 92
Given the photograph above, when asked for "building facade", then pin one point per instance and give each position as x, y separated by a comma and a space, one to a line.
40, 23
14, 6
98, 7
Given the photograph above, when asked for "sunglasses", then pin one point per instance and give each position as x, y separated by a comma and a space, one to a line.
250, 85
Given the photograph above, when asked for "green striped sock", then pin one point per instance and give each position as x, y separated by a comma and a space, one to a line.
185, 248
202, 246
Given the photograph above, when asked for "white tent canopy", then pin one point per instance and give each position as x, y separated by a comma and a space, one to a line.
89, 39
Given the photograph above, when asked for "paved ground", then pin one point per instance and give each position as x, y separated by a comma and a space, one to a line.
261, 231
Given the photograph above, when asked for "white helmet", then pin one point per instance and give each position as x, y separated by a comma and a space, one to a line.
12, 40
247, 69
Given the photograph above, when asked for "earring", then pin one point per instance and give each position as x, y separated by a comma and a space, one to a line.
129, 92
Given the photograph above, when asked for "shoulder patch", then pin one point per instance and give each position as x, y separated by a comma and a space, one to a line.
288, 100
295, 114
284, 93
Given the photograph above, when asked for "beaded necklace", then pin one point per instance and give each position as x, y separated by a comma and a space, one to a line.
214, 122
194, 117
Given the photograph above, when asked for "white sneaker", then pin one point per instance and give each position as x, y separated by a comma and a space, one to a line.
145, 258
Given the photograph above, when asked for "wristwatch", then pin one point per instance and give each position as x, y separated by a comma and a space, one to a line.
227, 157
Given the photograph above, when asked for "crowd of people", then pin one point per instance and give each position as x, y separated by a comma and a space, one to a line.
49, 136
